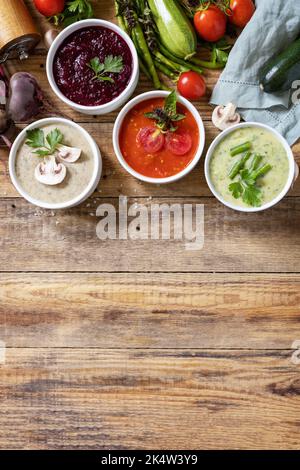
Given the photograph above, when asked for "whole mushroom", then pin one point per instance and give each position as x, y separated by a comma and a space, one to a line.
50, 172
224, 117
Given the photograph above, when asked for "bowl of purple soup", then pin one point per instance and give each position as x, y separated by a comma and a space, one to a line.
92, 66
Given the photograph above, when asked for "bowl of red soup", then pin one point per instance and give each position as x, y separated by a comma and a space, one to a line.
158, 137
92, 66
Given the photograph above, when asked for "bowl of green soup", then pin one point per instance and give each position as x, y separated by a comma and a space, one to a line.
250, 167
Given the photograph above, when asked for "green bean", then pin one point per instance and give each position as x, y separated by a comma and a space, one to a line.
240, 149
120, 18
261, 171
140, 4
165, 87
144, 69
141, 63
146, 55
165, 70
182, 62
169, 63
255, 162
239, 165
141, 46
214, 65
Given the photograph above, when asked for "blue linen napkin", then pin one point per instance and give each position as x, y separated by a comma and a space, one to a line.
274, 25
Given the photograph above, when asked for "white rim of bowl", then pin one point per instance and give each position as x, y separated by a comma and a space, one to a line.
290, 156
117, 128
84, 194
61, 38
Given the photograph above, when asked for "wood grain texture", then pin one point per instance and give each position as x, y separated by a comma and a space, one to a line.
165, 399
150, 311
38, 240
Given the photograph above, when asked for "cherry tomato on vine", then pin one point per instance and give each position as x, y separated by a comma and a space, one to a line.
191, 85
50, 7
210, 23
179, 142
151, 139
241, 12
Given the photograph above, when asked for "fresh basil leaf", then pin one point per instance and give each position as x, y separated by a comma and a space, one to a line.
178, 117
170, 103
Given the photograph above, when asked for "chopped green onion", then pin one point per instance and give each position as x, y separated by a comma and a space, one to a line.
239, 165
240, 149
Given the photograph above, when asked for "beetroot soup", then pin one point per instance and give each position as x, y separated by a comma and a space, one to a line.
93, 66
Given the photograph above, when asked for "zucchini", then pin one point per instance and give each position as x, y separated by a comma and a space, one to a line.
174, 28
279, 73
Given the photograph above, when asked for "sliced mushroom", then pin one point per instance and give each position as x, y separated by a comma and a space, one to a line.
225, 116
68, 154
50, 172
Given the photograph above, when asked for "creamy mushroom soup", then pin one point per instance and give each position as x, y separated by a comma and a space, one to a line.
271, 153
78, 174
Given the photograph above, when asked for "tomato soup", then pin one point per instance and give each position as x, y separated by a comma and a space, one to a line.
161, 163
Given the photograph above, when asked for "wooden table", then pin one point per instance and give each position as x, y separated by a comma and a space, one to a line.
123, 344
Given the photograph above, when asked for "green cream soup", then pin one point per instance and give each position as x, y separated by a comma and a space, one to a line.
263, 143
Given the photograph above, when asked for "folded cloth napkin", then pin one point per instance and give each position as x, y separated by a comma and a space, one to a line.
274, 25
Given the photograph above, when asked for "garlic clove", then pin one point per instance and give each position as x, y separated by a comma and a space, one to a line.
50, 172
296, 173
68, 154
2, 92
49, 37
224, 117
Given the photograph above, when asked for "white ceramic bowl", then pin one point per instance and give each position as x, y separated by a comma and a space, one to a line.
119, 100
96, 173
117, 127
293, 168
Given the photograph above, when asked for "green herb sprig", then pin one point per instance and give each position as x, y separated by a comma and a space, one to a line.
166, 116
46, 146
191, 6
111, 64
246, 187
75, 10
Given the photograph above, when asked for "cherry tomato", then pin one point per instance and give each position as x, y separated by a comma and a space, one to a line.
49, 7
151, 139
210, 23
191, 85
241, 12
178, 143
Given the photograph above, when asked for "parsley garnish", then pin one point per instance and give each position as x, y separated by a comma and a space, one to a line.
246, 187
167, 115
36, 139
75, 10
111, 64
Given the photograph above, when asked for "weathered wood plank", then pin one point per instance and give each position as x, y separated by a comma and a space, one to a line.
117, 181
40, 240
142, 310
165, 399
